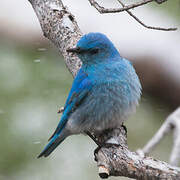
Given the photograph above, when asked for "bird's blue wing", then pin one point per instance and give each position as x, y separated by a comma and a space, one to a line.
80, 89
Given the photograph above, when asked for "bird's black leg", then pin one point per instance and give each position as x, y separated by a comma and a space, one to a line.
93, 138
124, 127
100, 144
96, 141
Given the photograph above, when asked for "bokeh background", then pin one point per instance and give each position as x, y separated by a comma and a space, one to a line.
34, 84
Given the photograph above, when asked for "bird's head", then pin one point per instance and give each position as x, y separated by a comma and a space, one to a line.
94, 48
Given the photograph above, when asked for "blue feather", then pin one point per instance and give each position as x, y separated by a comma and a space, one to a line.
79, 91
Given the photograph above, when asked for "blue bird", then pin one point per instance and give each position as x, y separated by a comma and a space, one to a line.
104, 93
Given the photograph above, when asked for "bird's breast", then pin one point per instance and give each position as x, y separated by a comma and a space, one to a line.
113, 96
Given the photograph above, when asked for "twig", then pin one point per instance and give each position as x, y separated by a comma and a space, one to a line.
146, 26
102, 10
116, 10
171, 123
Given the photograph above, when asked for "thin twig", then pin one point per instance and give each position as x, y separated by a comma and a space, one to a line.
126, 8
171, 123
146, 26
116, 10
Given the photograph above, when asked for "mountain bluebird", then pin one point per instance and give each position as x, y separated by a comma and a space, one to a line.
104, 92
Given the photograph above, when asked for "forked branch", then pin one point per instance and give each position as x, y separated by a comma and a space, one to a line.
127, 8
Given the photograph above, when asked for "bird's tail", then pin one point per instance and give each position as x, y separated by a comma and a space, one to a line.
55, 141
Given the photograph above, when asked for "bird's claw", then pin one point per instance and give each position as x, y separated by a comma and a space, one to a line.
60, 110
104, 145
124, 128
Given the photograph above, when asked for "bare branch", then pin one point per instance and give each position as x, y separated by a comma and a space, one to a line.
146, 26
171, 123
102, 10
120, 161
117, 10
60, 27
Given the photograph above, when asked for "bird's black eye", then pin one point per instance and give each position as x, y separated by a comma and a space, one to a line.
94, 51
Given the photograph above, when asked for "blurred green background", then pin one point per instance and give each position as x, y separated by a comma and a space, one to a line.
34, 84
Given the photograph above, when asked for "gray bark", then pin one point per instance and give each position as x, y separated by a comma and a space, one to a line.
60, 27
120, 161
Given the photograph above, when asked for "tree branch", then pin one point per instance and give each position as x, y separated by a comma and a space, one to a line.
121, 161
172, 123
102, 10
146, 26
60, 27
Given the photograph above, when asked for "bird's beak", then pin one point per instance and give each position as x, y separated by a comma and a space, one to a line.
74, 50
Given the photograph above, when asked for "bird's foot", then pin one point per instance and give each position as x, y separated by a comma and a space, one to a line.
60, 110
93, 137
105, 140
124, 127
104, 145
